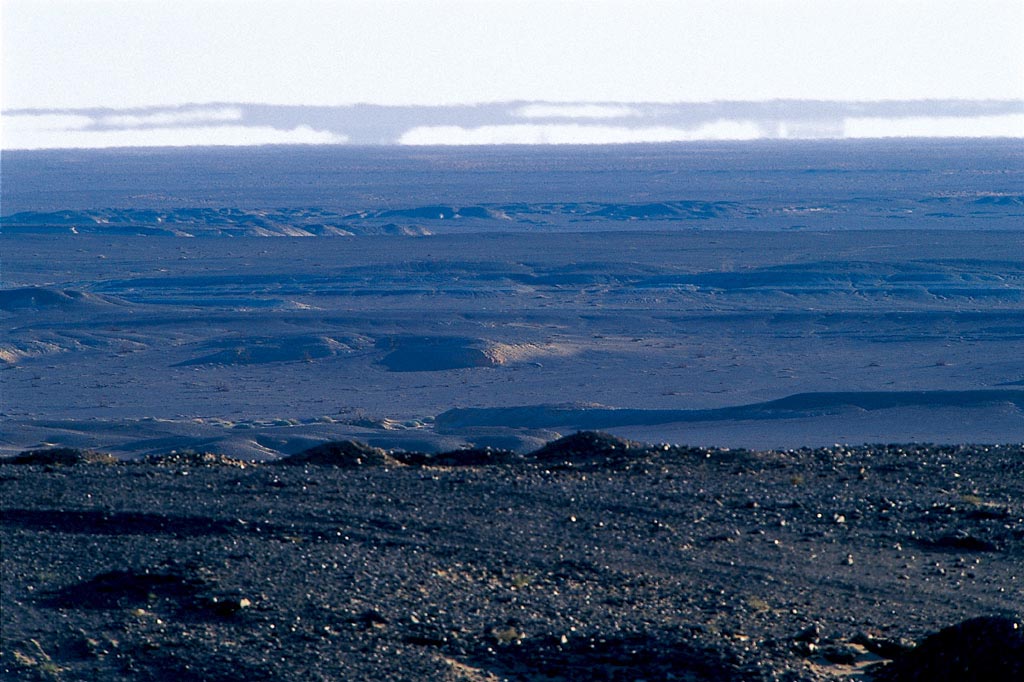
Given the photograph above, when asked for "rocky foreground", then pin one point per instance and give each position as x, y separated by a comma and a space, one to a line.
592, 558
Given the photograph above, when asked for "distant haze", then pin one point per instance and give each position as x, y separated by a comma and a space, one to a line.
505, 123
129, 73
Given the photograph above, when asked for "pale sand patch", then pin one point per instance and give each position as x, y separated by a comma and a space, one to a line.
507, 353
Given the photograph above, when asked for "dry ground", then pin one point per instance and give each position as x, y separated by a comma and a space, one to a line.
590, 559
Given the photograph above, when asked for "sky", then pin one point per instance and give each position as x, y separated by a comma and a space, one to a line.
121, 53
68, 54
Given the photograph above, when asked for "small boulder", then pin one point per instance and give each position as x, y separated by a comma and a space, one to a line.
976, 650
62, 457
585, 446
341, 453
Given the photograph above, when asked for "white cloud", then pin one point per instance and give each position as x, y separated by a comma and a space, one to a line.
39, 122
596, 111
1006, 125
170, 118
576, 134
232, 136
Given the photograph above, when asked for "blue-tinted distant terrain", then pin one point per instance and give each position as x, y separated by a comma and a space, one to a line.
736, 293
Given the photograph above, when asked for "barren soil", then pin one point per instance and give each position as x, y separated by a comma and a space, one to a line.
589, 559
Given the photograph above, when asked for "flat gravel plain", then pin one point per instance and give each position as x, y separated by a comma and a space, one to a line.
593, 558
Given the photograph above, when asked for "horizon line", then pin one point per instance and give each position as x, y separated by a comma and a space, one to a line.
528, 145
494, 102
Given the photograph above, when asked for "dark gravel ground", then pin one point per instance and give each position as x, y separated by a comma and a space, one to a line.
591, 559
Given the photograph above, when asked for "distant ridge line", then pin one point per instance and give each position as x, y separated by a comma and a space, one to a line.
790, 407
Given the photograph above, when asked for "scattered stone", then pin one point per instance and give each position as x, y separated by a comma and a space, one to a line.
225, 606
370, 619
841, 654
402, 574
426, 634
811, 633
506, 635
196, 459
884, 646
805, 649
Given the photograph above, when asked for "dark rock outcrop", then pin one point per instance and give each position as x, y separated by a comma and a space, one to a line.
585, 446
62, 457
983, 649
344, 453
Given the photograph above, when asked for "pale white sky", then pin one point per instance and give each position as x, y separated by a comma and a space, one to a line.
120, 53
